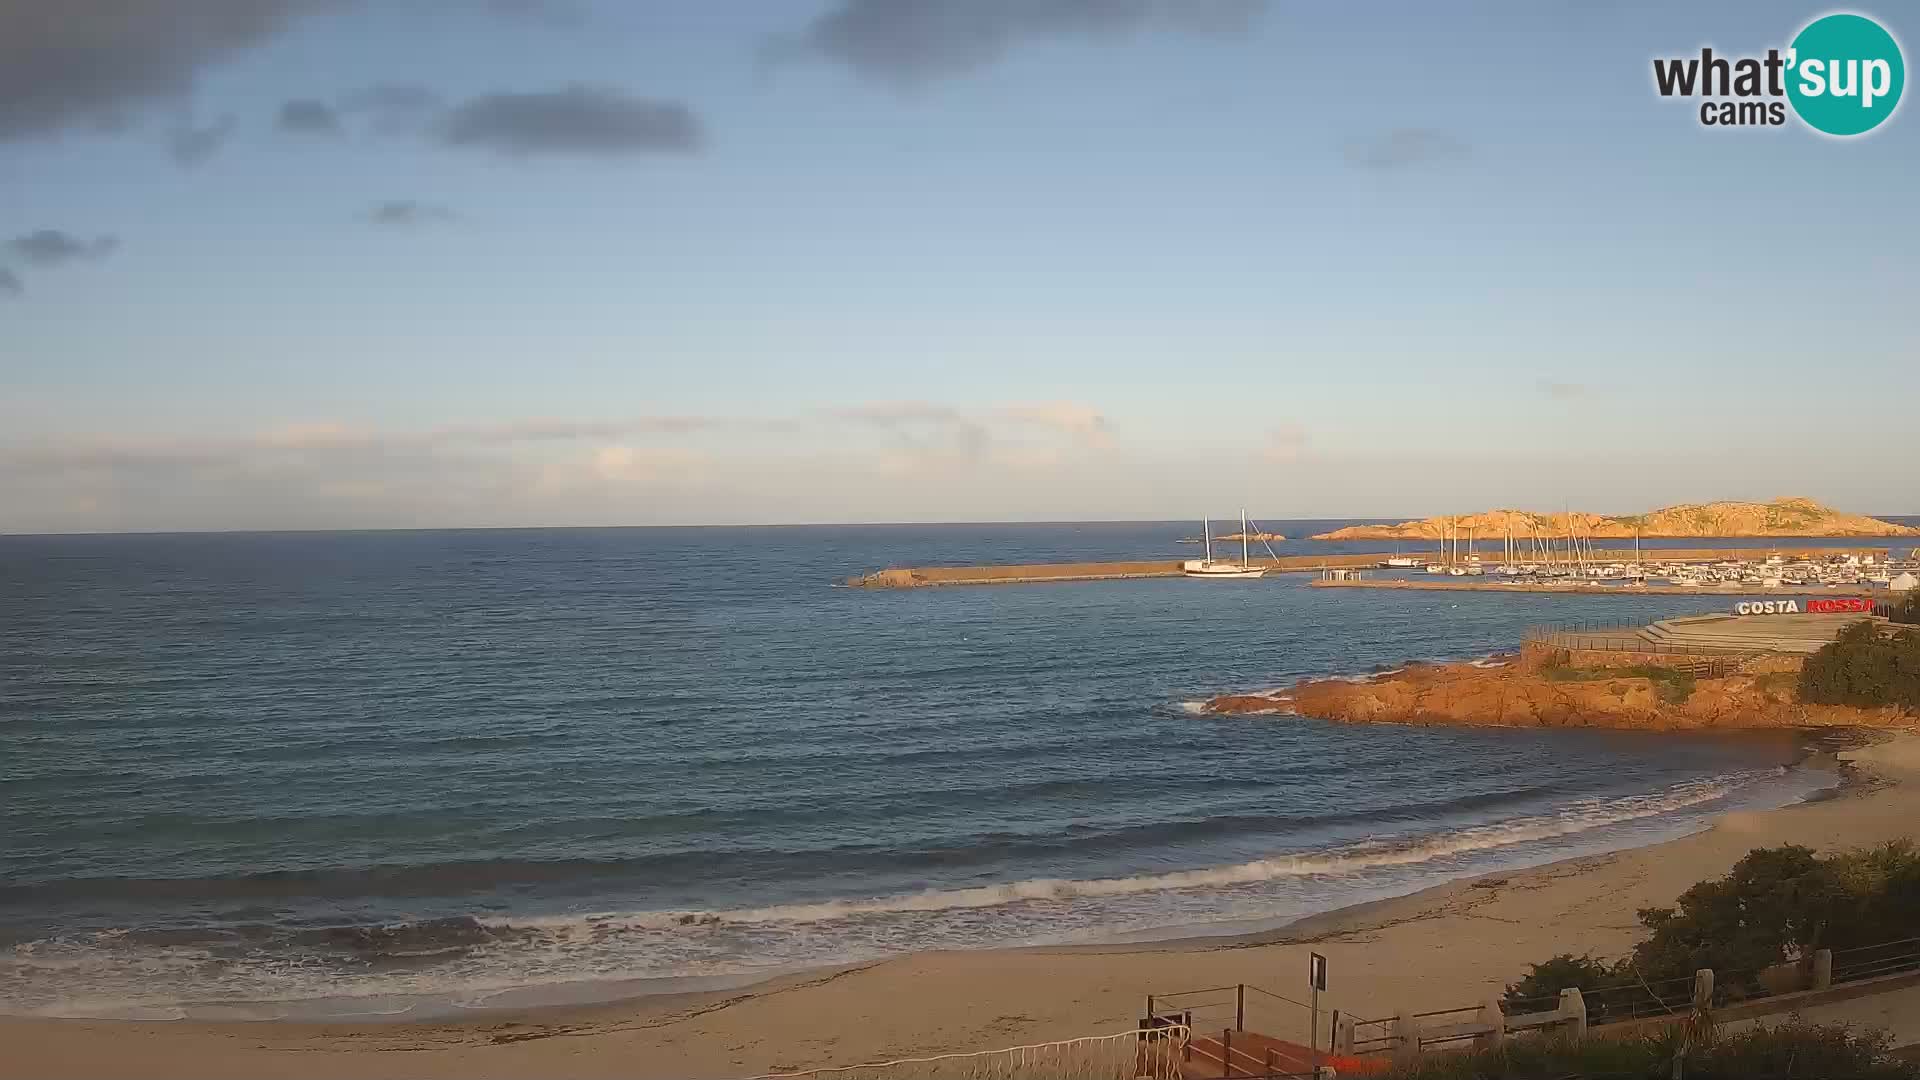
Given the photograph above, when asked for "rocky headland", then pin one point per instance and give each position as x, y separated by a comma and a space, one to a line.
1781, 517
1511, 691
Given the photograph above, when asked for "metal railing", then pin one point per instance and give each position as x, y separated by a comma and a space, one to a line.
1238, 1063
1143, 1054
1635, 1000
1869, 961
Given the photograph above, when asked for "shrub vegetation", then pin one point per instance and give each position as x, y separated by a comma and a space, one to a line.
1865, 667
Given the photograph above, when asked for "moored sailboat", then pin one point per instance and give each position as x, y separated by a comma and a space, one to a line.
1210, 567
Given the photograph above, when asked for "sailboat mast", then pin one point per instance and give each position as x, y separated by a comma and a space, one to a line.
1206, 530
1243, 537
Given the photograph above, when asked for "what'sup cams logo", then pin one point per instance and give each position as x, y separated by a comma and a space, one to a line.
1842, 76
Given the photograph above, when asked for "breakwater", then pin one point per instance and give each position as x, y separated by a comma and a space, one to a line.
1034, 573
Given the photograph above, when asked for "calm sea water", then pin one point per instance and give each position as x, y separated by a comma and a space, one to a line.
361, 773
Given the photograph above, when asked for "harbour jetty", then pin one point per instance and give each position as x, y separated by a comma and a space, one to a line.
1031, 573
912, 577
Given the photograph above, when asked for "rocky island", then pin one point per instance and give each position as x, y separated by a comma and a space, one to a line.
1781, 517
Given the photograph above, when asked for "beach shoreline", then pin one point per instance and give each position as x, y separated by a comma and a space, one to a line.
1448, 944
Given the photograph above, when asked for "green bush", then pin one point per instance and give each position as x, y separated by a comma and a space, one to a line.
1908, 611
1864, 667
1793, 1049
1777, 905
1669, 684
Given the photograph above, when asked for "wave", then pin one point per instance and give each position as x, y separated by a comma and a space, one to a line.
268, 962
1581, 816
469, 877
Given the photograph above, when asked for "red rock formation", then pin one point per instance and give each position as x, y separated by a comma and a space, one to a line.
1515, 696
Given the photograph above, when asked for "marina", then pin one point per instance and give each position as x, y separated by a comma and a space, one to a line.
1594, 587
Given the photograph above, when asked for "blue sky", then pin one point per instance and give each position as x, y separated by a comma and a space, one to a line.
872, 261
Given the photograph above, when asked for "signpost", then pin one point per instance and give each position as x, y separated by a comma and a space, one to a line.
1836, 606
1317, 981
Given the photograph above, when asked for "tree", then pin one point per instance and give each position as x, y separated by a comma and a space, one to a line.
1774, 905
1864, 667
1544, 981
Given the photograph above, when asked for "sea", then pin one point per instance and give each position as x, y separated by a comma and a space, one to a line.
406, 774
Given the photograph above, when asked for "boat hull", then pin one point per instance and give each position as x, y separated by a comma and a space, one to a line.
1198, 568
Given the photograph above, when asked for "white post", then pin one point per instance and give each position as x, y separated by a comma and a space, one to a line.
1406, 1037
1703, 988
1492, 1015
1573, 1012
1822, 969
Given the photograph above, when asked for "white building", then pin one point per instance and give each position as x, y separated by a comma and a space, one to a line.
1904, 581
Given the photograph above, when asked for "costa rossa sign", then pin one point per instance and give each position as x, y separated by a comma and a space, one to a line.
1839, 605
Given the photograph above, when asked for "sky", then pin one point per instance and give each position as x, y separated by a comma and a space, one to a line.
443, 263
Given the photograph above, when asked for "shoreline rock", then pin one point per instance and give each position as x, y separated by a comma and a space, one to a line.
1517, 694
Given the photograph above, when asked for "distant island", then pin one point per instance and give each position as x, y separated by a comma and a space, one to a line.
1781, 517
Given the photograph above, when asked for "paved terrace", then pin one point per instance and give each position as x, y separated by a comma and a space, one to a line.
1712, 634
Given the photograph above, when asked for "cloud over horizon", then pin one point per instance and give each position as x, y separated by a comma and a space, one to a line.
529, 460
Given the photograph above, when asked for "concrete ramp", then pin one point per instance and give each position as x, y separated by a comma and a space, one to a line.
1740, 634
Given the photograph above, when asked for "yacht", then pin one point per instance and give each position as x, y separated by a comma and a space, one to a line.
1210, 567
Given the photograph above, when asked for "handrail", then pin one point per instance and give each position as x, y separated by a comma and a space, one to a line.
1189, 993
1882, 945
1227, 1065
1277, 997
1447, 1012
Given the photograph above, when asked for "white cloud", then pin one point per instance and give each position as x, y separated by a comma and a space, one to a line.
827, 463
1285, 444
1082, 422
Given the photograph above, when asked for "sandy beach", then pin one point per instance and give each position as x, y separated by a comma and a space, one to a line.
1451, 945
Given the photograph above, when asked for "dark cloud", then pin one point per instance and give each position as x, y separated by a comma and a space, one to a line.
69, 63
190, 144
308, 117
406, 212
911, 41
576, 120
1405, 148
10, 284
391, 98
51, 247
79, 64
